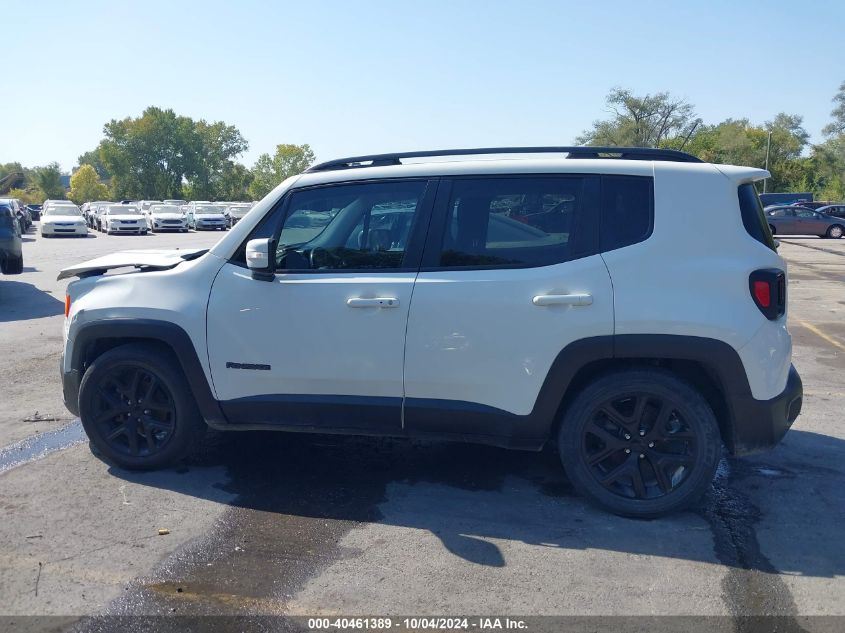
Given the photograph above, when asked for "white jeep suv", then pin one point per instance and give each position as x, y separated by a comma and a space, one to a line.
509, 302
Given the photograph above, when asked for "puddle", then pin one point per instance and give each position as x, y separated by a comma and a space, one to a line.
39, 446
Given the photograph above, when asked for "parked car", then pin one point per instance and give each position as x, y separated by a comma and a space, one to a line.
793, 220
11, 250
810, 204
122, 218
94, 212
206, 216
236, 212
23, 219
528, 324
833, 210
34, 211
167, 217
178, 203
63, 219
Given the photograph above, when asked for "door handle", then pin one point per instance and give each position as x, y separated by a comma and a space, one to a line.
377, 302
582, 299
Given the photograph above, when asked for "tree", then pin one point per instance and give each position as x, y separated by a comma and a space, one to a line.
216, 145
647, 121
157, 154
263, 177
837, 126
95, 159
48, 181
288, 161
85, 185
26, 197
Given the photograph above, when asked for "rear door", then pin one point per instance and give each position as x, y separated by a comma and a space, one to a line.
511, 274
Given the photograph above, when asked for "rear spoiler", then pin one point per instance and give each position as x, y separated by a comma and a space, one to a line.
742, 175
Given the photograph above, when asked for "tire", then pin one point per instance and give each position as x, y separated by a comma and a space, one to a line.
13, 265
772, 229
167, 430
835, 232
593, 445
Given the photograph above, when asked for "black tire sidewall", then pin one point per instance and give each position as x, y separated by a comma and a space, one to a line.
188, 421
693, 407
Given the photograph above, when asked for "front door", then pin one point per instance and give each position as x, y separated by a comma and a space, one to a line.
322, 344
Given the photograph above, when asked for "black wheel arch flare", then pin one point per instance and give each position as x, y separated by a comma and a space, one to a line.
744, 426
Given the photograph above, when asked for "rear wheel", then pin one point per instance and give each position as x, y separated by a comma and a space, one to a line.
137, 408
640, 443
835, 232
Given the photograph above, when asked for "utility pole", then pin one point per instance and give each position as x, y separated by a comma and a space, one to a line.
768, 147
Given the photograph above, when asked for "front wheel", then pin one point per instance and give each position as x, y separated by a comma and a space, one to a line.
137, 409
835, 232
640, 443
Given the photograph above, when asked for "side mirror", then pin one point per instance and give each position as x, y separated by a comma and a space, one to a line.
258, 258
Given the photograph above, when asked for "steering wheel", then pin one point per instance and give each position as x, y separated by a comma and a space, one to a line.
314, 260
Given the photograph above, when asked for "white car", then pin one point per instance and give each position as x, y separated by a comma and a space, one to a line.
167, 217
62, 219
509, 302
206, 216
122, 218
235, 212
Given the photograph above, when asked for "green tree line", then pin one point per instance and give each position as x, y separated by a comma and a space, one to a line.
164, 155
661, 120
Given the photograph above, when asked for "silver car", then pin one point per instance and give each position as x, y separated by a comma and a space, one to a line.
802, 221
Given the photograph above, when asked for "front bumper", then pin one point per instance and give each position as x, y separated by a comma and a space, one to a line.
50, 229
761, 424
70, 387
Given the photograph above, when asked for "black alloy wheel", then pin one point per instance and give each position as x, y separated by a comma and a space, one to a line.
137, 407
638, 446
134, 411
640, 442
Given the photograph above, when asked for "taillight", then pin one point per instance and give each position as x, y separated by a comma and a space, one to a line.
768, 289
762, 294
67, 305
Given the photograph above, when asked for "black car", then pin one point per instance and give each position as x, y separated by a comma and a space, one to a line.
11, 252
35, 211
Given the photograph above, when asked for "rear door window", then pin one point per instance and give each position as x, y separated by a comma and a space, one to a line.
519, 221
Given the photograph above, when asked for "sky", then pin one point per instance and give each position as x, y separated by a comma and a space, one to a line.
365, 77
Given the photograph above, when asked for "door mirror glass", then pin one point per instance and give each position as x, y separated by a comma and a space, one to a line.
258, 254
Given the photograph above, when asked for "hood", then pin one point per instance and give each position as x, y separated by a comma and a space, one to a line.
167, 216
62, 218
155, 259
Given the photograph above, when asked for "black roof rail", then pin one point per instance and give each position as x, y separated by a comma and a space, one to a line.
581, 151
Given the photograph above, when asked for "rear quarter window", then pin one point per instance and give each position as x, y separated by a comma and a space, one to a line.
753, 216
627, 210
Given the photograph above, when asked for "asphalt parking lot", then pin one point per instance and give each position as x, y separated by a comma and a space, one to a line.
275, 524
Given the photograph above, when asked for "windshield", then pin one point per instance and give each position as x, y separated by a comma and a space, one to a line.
164, 208
238, 211
119, 209
207, 209
63, 210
